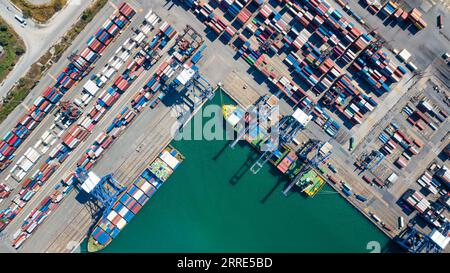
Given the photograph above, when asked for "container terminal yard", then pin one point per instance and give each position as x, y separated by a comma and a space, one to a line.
360, 91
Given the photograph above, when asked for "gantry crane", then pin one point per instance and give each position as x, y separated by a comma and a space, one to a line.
284, 133
105, 190
415, 241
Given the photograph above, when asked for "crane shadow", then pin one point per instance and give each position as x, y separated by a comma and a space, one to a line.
251, 158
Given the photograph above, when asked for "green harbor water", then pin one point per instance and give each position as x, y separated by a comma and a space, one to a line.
213, 203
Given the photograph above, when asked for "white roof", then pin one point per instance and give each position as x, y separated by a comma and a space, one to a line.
404, 55
121, 224
393, 177
111, 216
302, 117
186, 75
169, 160
26, 165
145, 186
91, 87
441, 240
426, 105
150, 12
110, 72
32, 155
326, 148
91, 182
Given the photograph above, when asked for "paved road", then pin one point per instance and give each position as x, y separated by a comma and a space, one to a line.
37, 38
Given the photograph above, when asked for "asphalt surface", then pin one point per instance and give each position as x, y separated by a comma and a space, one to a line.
38, 38
424, 45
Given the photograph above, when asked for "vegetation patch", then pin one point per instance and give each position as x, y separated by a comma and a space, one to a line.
11, 47
38, 69
41, 13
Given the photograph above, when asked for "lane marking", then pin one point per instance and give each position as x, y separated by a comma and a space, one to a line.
52, 77
25, 106
113, 5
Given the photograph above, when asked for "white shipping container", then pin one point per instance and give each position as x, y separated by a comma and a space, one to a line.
98, 152
32, 155
153, 21
425, 180
45, 149
26, 165
121, 224
118, 65
138, 194
91, 88
123, 211
145, 186
38, 143
49, 139
421, 183
427, 175
146, 29
19, 175
426, 202
150, 12
125, 55
432, 189
139, 38
45, 135
111, 216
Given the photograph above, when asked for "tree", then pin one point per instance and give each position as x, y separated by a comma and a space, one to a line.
20, 51
26, 13
58, 5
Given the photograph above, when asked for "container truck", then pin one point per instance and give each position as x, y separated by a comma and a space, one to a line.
351, 144
440, 22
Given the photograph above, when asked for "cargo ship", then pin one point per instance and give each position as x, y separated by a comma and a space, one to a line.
311, 183
134, 198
